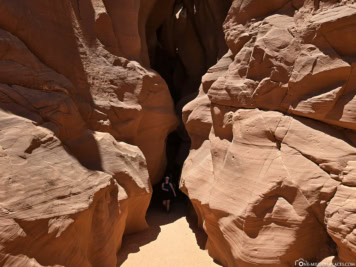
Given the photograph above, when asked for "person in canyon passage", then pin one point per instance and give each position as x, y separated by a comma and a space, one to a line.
168, 192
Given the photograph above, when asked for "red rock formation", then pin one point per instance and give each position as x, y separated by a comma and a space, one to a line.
83, 123
112, 94
184, 39
189, 40
78, 104
270, 171
56, 212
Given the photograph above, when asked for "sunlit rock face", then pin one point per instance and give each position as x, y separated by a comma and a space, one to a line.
84, 49
271, 167
83, 123
84, 120
54, 211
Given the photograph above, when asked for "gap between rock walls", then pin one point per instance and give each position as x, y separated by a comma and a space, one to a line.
182, 47
69, 69
93, 95
184, 39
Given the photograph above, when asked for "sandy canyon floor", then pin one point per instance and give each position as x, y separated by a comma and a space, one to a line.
172, 240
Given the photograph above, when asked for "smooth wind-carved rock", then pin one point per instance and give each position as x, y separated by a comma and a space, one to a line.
83, 122
271, 167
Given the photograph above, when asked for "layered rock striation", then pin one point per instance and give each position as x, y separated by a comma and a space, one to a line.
83, 122
270, 170
56, 212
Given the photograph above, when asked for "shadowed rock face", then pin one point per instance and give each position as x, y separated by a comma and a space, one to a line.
83, 123
79, 40
184, 39
84, 119
270, 170
56, 212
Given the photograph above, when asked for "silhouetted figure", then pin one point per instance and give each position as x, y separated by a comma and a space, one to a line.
168, 192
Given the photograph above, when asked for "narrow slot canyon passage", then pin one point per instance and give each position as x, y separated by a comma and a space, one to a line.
249, 107
184, 39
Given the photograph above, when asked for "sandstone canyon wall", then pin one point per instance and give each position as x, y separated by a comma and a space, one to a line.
84, 118
271, 170
83, 122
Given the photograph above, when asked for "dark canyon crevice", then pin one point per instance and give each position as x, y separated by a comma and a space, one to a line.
184, 39
249, 104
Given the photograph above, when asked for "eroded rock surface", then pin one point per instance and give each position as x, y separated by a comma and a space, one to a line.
270, 170
111, 93
83, 123
84, 119
56, 212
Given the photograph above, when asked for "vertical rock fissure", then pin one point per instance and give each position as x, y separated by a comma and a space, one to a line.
184, 39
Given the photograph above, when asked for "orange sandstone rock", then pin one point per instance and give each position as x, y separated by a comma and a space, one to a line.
270, 170
111, 93
78, 104
54, 211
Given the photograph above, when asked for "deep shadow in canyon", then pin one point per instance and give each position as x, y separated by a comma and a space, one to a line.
91, 99
182, 46
184, 39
